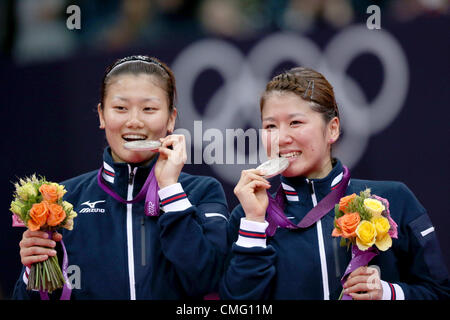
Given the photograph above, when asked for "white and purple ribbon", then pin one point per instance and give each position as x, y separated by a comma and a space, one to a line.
66, 290
359, 259
149, 191
275, 209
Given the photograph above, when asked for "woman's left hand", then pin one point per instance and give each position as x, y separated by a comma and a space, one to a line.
364, 284
170, 161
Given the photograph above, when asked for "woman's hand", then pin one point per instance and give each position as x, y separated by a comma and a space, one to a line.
170, 161
251, 192
35, 246
364, 284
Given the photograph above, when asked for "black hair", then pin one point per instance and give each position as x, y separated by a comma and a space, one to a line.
139, 64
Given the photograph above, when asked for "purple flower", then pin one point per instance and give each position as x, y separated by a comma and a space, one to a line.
393, 230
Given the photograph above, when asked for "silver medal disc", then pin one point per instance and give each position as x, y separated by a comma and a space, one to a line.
273, 167
142, 145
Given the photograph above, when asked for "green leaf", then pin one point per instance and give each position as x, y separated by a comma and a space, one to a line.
337, 213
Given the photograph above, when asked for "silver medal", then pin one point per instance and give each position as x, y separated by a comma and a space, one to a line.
142, 145
273, 167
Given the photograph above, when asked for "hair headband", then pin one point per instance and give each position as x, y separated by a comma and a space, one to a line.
141, 58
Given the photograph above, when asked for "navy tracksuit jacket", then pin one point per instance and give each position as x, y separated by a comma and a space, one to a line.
309, 263
120, 253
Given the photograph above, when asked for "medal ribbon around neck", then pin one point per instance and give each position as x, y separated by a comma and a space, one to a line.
149, 190
275, 210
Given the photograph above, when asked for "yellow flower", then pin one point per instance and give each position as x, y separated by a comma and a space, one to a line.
72, 214
374, 206
366, 235
384, 243
17, 207
383, 240
68, 225
60, 189
26, 191
69, 222
67, 206
382, 225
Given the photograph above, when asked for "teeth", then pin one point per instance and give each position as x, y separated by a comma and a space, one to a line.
134, 137
290, 154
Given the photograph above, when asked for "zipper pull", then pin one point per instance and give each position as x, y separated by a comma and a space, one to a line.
130, 180
311, 187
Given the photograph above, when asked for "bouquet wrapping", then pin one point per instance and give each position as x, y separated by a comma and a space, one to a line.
364, 222
38, 205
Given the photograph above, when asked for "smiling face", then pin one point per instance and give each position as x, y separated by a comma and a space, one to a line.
297, 132
135, 107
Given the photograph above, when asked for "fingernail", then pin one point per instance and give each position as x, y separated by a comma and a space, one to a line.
53, 252
53, 243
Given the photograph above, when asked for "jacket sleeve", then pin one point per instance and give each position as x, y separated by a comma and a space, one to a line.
193, 237
423, 273
250, 265
20, 289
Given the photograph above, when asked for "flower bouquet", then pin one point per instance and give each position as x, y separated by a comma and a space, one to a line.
364, 222
38, 205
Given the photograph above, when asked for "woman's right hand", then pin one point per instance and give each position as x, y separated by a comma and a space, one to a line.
170, 161
251, 192
35, 246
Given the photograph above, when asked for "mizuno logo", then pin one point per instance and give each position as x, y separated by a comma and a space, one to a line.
92, 207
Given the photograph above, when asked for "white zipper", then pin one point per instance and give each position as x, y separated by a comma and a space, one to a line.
323, 258
130, 236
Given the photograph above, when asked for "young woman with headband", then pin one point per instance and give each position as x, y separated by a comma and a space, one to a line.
145, 230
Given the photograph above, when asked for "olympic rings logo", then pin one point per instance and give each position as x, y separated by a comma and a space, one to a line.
235, 103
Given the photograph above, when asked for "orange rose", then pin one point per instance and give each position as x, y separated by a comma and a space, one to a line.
348, 224
56, 215
336, 233
344, 202
49, 192
38, 214
33, 226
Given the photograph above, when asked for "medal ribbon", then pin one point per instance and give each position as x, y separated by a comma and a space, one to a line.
359, 259
275, 210
67, 289
149, 191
